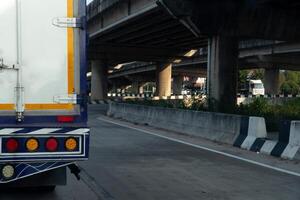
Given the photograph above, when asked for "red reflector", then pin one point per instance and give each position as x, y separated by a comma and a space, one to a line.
12, 145
65, 119
51, 144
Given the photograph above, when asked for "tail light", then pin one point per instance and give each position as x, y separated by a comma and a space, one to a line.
32, 144
51, 144
65, 119
12, 145
22, 144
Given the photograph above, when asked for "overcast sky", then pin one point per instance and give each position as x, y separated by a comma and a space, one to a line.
88, 1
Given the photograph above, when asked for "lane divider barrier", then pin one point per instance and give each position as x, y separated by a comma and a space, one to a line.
244, 132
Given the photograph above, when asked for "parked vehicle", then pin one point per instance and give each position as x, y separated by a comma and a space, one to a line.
256, 87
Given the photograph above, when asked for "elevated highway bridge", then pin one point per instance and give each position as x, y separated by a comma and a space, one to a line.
161, 31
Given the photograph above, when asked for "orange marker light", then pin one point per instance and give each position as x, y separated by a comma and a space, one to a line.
32, 144
71, 144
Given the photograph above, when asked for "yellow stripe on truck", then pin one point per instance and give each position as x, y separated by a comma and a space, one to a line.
39, 107
7, 106
49, 106
70, 14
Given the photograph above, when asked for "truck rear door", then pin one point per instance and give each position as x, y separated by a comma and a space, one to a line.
39, 37
43, 106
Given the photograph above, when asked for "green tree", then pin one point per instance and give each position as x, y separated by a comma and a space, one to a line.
243, 76
293, 76
291, 83
257, 74
290, 87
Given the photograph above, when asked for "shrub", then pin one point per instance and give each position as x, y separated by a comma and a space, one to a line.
273, 114
290, 87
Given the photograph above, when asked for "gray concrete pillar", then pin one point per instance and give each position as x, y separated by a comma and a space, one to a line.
271, 81
177, 84
99, 87
114, 88
141, 88
137, 87
163, 79
222, 72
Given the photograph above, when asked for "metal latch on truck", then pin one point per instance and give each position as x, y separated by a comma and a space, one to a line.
19, 89
66, 99
68, 22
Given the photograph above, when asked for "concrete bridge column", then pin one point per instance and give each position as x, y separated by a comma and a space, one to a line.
138, 87
123, 90
177, 84
99, 87
271, 81
114, 88
141, 88
222, 72
163, 79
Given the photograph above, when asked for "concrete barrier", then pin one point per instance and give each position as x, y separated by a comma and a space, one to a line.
288, 144
94, 102
236, 130
253, 131
293, 149
289, 141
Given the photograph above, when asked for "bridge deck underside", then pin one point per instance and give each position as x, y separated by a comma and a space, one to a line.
151, 36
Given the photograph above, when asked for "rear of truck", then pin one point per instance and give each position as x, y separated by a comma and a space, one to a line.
43, 104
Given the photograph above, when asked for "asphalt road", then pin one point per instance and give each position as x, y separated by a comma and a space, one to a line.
127, 164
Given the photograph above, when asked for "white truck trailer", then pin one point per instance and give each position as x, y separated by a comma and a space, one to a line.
43, 103
256, 87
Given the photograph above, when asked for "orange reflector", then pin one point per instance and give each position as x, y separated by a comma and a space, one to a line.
32, 144
71, 144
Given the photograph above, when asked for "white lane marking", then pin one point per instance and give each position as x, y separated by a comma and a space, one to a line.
205, 148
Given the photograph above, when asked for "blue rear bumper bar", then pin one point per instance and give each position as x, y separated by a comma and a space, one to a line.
30, 163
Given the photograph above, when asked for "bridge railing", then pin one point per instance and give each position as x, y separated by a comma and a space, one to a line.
247, 44
135, 65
